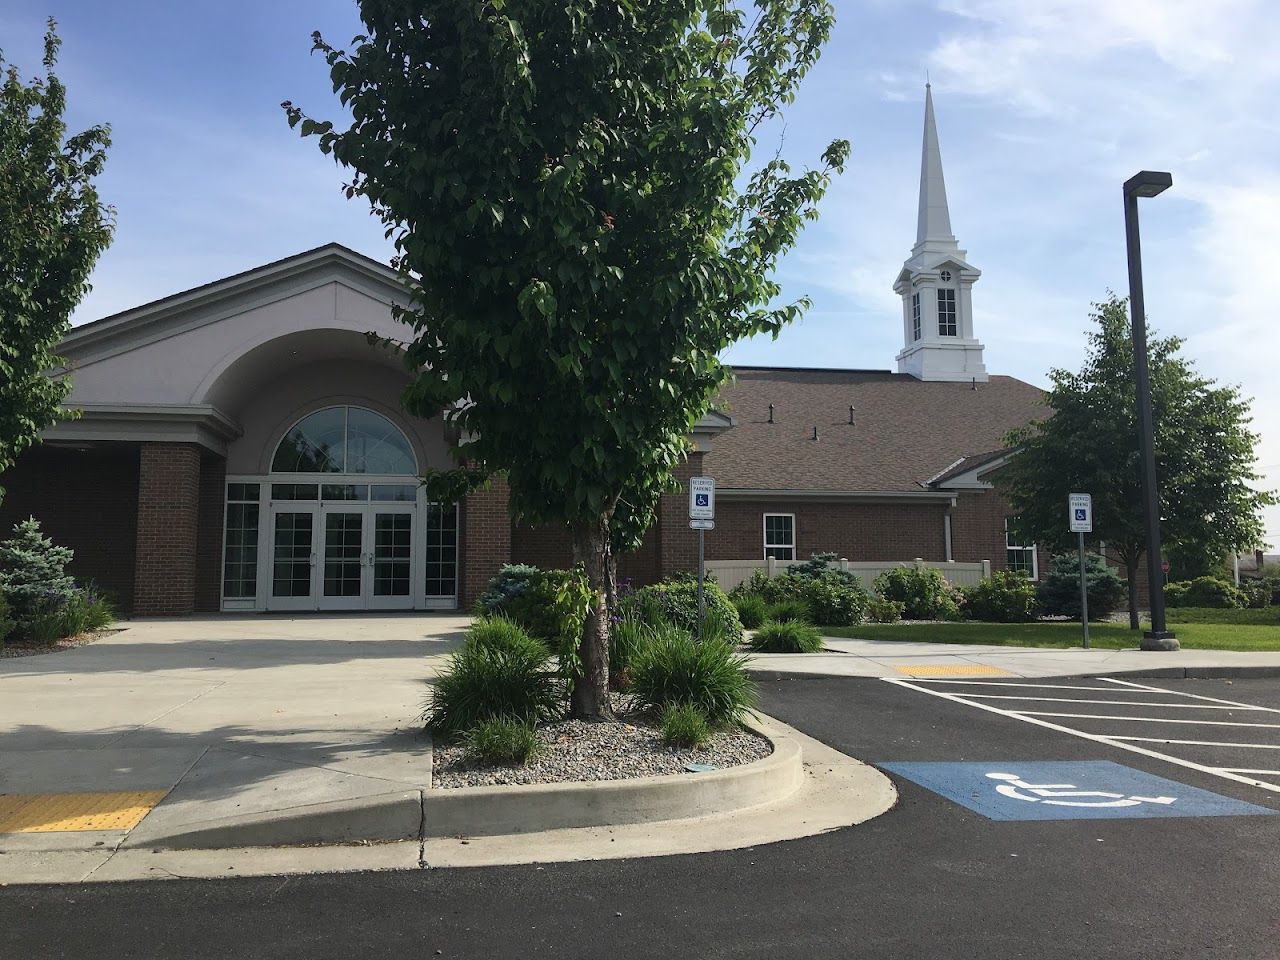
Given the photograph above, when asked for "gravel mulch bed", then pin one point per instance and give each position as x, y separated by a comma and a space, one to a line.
575, 751
11, 650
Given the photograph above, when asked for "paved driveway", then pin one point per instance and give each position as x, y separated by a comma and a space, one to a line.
223, 714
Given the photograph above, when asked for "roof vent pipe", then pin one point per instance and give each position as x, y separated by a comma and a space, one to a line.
771, 413
815, 433
851, 414
974, 384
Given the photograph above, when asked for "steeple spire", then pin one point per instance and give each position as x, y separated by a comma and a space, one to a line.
936, 283
934, 222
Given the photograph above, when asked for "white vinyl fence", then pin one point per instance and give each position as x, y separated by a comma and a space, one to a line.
730, 573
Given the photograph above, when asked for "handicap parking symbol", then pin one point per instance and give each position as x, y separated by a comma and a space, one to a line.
1081, 513
702, 499
1068, 790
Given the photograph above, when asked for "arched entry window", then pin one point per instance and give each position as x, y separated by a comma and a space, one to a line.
345, 440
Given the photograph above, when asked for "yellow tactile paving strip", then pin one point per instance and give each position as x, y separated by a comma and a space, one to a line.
75, 812
951, 670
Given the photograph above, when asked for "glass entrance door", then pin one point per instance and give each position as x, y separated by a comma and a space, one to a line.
342, 578
293, 559
391, 557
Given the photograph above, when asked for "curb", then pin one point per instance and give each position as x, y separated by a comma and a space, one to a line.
379, 818
501, 810
492, 811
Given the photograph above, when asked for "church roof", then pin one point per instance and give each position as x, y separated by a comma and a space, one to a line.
905, 432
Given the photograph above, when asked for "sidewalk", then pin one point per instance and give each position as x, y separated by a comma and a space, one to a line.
172, 723
890, 658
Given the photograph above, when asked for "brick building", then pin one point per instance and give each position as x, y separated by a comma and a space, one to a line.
241, 447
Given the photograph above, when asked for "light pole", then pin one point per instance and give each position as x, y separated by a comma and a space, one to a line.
1148, 183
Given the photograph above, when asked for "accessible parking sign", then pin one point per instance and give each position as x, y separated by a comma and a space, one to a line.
1068, 790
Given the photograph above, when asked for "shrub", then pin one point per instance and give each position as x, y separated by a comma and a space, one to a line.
84, 612
6, 624
788, 610
502, 741
923, 592
1005, 597
507, 584
33, 572
628, 636
484, 681
499, 632
1212, 592
880, 610
1175, 595
819, 565
683, 725
1060, 591
836, 601
674, 668
786, 636
1257, 593
751, 608
552, 605
675, 601
772, 589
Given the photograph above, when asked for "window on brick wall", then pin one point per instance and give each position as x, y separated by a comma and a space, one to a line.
780, 536
1019, 557
240, 550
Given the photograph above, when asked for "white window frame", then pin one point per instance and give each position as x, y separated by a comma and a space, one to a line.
917, 329
1032, 548
948, 319
778, 546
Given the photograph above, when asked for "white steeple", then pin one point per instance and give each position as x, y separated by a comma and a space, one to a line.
934, 220
936, 282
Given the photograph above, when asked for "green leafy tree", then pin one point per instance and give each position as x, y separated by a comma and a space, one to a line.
52, 230
570, 190
1205, 459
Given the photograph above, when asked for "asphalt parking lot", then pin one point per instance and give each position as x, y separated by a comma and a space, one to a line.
1227, 728
934, 878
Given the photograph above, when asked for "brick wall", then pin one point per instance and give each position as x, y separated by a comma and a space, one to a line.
86, 500
209, 530
551, 548
485, 541
854, 531
168, 524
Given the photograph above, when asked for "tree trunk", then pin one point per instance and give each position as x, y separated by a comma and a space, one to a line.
590, 699
610, 580
1131, 574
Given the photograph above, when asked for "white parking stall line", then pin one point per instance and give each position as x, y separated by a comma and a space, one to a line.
1220, 772
1260, 773
1114, 703
1199, 743
1198, 723
1192, 696
1036, 686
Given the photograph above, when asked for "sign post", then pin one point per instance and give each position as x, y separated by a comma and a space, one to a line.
702, 517
1080, 514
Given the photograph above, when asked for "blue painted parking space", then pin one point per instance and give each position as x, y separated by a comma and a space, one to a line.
1068, 790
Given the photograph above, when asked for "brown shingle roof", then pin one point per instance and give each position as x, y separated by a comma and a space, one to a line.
905, 431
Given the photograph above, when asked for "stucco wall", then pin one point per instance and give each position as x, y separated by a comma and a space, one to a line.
267, 411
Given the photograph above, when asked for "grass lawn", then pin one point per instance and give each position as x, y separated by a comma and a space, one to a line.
1250, 630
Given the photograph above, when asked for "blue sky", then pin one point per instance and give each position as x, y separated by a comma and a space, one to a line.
1044, 107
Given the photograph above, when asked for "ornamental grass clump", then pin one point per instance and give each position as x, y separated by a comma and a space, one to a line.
786, 636
792, 609
486, 680
752, 610
674, 668
502, 741
684, 726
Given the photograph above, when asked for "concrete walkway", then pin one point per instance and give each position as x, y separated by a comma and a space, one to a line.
221, 716
891, 658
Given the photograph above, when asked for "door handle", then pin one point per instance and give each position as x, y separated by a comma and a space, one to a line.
313, 560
